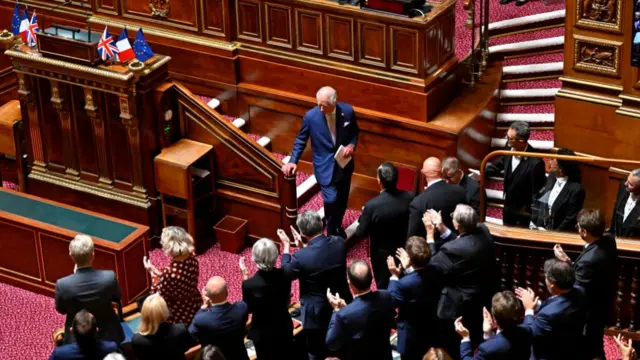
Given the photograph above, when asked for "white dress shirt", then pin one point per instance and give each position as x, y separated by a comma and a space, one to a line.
331, 122
557, 188
515, 160
631, 203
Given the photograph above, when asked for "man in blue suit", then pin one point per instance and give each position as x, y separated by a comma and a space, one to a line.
559, 323
329, 125
320, 264
416, 296
85, 346
361, 330
220, 323
511, 342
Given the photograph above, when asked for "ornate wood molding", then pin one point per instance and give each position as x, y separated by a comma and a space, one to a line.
603, 15
597, 56
97, 124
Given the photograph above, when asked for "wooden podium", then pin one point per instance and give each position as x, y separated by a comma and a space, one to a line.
92, 132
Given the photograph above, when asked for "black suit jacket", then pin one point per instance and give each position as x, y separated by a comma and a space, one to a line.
472, 189
170, 342
631, 226
267, 294
439, 197
565, 208
95, 291
520, 186
222, 326
467, 267
596, 273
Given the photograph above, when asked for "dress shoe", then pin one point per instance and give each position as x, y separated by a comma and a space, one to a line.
502, 2
520, 2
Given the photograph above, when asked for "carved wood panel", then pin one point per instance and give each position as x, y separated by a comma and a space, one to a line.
340, 34
599, 14
161, 12
309, 31
596, 56
431, 57
372, 43
404, 49
107, 7
214, 17
249, 20
278, 25
447, 37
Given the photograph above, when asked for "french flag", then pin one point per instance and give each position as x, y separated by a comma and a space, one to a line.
124, 46
24, 25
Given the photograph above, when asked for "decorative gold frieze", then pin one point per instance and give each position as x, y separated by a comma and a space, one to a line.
599, 14
596, 56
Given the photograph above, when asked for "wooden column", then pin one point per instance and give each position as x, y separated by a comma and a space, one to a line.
542, 285
634, 299
504, 270
62, 106
620, 298
29, 111
97, 123
130, 121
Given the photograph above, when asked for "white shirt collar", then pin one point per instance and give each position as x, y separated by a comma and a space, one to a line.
429, 183
220, 303
364, 293
562, 180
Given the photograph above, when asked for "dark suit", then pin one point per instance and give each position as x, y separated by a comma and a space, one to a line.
472, 189
416, 297
631, 226
440, 196
334, 181
565, 208
511, 344
73, 351
267, 294
385, 220
361, 330
170, 342
320, 265
467, 269
595, 272
93, 290
558, 326
520, 186
222, 326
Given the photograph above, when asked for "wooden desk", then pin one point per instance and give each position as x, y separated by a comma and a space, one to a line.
35, 244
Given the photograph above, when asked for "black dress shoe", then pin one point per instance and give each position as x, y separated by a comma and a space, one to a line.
502, 2
520, 2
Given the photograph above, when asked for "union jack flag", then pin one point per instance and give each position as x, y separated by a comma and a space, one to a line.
32, 30
107, 47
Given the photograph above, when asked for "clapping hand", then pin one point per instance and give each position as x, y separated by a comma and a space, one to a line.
150, 267
626, 348
560, 254
460, 329
402, 255
528, 298
335, 301
428, 223
243, 269
206, 302
436, 217
284, 239
297, 237
487, 321
393, 269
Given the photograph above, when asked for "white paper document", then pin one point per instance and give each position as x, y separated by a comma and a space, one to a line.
340, 158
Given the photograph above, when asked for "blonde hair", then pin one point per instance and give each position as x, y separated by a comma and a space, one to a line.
176, 241
81, 249
154, 312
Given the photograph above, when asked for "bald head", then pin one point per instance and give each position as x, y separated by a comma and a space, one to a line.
327, 98
432, 169
359, 276
216, 289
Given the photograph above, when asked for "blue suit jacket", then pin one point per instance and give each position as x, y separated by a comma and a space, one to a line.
72, 351
361, 330
222, 326
320, 265
314, 125
416, 296
512, 344
558, 326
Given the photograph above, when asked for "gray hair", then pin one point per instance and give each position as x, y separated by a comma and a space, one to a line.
635, 172
309, 223
450, 163
81, 249
330, 92
466, 218
114, 356
176, 241
522, 129
264, 253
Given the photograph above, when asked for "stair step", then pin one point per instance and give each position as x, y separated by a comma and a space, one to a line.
239, 122
532, 84
525, 48
535, 59
541, 93
307, 189
538, 144
213, 103
527, 36
528, 109
505, 119
530, 22
532, 71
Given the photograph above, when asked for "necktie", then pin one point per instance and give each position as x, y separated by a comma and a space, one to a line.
331, 122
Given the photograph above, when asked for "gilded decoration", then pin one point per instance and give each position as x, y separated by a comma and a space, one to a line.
159, 7
597, 56
599, 14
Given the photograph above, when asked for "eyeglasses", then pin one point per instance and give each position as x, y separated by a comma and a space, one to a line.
513, 139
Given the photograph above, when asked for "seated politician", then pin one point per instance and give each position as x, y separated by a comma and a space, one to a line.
86, 345
559, 201
626, 213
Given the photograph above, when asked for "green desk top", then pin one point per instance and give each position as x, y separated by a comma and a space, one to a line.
64, 218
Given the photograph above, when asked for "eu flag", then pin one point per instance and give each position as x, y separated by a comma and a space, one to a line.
141, 48
15, 21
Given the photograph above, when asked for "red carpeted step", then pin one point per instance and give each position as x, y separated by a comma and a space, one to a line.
498, 12
315, 204
528, 36
528, 109
495, 184
494, 212
533, 84
535, 59
539, 135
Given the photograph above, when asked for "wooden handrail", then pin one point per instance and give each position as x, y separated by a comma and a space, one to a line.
581, 159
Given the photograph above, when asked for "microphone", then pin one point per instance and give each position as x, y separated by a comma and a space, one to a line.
50, 10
